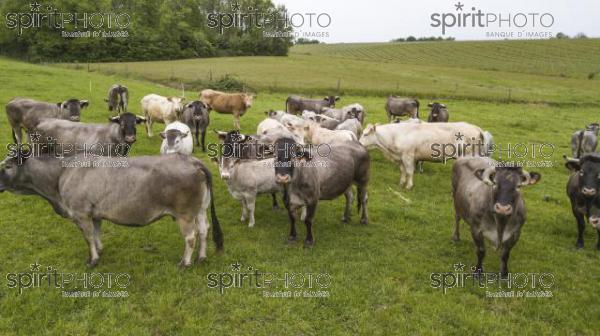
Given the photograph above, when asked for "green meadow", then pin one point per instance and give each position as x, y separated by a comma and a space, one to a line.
380, 273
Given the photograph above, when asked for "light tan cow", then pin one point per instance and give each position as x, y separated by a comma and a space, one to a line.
161, 109
228, 103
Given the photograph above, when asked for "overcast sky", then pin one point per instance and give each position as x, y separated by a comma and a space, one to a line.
383, 20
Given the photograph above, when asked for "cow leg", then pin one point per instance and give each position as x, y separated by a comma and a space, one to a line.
188, 231
275, 204
506, 247
236, 121
402, 175
293, 233
456, 235
479, 249
87, 228
349, 197
310, 215
149, 123
362, 203
244, 210
303, 213
598, 244
203, 136
203, 233
250, 204
97, 234
409, 166
580, 227
420, 165
17, 135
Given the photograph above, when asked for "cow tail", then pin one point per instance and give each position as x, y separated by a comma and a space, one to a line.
418, 105
217, 233
579, 143
286, 104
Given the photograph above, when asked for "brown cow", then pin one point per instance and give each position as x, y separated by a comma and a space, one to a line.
228, 103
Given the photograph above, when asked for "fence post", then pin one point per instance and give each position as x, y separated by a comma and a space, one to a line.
338, 85
509, 94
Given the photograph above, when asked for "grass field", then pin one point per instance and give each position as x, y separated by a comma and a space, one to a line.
552, 71
380, 273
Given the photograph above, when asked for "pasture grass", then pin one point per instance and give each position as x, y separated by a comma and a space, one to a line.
380, 273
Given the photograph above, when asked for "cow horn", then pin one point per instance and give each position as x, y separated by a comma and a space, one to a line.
568, 159
487, 175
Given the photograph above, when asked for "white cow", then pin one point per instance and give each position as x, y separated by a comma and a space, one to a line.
160, 109
353, 125
405, 143
284, 117
270, 130
177, 138
313, 133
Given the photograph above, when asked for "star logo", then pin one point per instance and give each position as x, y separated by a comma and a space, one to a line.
459, 136
35, 136
35, 6
235, 6
236, 267
459, 6
459, 267
35, 267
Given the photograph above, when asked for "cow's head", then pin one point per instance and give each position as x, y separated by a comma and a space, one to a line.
436, 108
369, 136
73, 108
248, 99
127, 122
287, 154
177, 103
13, 177
588, 168
274, 114
593, 127
309, 115
506, 183
174, 139
199, 109
330, 100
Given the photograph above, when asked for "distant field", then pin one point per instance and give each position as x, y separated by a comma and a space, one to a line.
553, 71
380, 273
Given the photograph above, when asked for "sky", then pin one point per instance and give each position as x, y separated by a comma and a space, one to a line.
383, 20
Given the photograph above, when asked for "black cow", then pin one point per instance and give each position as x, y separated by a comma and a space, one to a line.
196, 116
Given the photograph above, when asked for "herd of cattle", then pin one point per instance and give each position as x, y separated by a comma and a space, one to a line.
312, 151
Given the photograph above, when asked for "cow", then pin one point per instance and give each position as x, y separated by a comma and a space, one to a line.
26, 113
160, 109
323, 120
582, 190
247, 178
487, 196
397, 107
270, 130
405, 143
118, 97
347, 112
438, 113
585, 141
314, 134
177, 138
149, 188
228, 103
196, 116
297, 104
309, 176
284, 117
353, 125
114, 138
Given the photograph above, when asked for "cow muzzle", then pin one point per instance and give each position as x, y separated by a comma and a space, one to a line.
225, 176
282, 179
504, 210
588, 192
595, 221
130, 139
74, 118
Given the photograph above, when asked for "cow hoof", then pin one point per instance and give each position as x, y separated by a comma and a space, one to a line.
92, 263
455, 239
345, 220
250, 225
309, 243
579, 245
364, 221
200, 259
275, 207
184, 265
477, 273
291, 240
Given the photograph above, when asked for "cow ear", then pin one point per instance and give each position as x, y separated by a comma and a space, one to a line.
116, 119
185, 134
430, 104
221, 135
139, 119
573, 165
59, 104
237, 161
534, 178
485, 175
84, 103
170, 99
337, 98
443, 105
163, 135
326, 98
289, 126
267, 112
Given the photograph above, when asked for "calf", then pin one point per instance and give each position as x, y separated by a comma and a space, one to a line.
488, 198
118, 96
308, 176
176, 139
397, 107
297, 104
160, 109
150, 188
196, 116
438, 113
582, 189
114, 138
26, 113
228, 103
585, 141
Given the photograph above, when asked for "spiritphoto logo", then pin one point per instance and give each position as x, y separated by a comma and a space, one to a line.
531, 24
273, 285
93, 24
70, 284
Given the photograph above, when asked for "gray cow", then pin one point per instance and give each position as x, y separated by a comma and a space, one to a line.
146, 189
297, 104
26, 113
118, 97
438, 113
100, 139
323, 177
196, 116
585, 141
488, 198
397, 107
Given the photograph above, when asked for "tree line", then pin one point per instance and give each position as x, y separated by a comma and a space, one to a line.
156, 30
